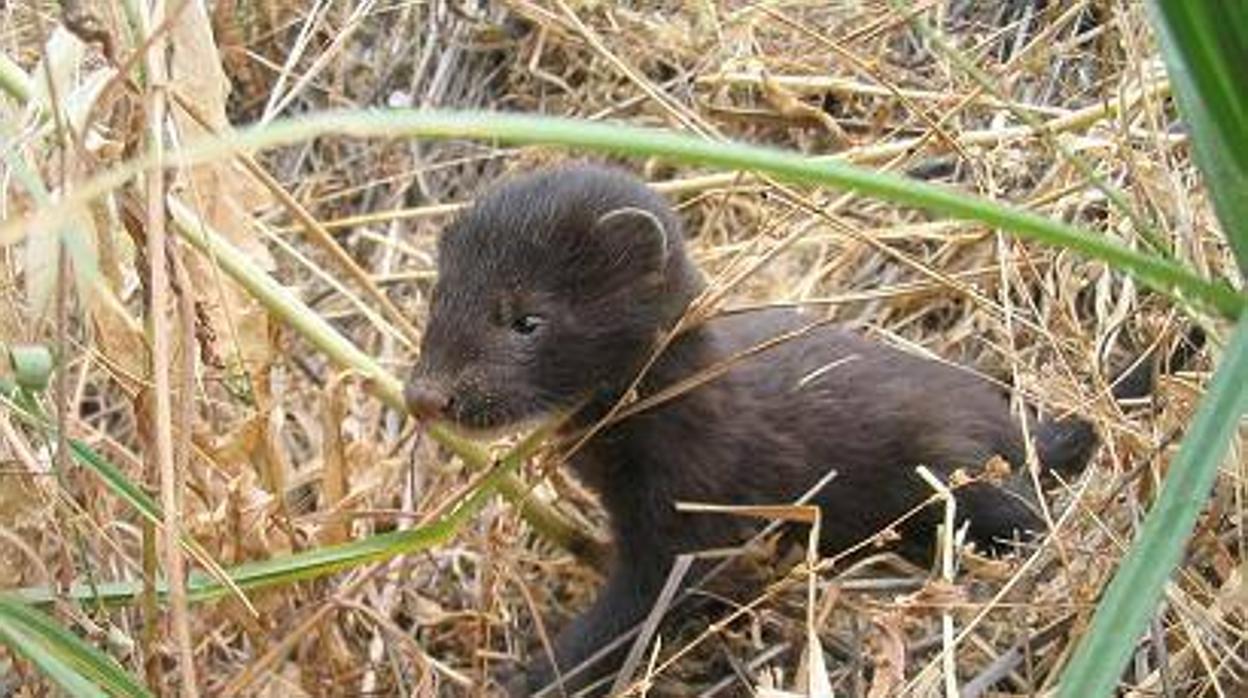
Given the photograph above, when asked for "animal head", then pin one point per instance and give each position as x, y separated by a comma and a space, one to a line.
551, 287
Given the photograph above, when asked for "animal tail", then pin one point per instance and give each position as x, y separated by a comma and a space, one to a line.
1066, 445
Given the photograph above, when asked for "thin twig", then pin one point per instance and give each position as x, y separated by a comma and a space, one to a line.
162, 411
947, 535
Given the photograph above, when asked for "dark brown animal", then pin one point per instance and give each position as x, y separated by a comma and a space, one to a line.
553, 289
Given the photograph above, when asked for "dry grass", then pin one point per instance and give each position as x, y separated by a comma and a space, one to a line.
273, 451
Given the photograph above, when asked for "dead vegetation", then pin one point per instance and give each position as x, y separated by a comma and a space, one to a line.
282, 452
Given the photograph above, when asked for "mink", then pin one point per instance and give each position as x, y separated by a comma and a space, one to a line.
553, 290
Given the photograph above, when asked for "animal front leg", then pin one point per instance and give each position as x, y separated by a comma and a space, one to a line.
629, 594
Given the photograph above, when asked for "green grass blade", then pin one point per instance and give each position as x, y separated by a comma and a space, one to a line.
276, 571
15, 638
964, 63
32, 366
329, 559
74, 664
1166, 276
14, 81
113, 478
1205, 47
313, 563
1132, 597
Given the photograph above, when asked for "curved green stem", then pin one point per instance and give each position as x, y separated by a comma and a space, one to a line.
1165, 276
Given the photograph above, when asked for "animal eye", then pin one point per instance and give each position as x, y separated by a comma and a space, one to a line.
527, 323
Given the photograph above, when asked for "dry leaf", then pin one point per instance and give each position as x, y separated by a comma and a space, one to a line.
233, 450
253, 511
74, 92
224, 196
887, 650
935, 592
334, 472
791, 106
65, 53
997, 470
959, 478
284, 684
41, 255
983, 567
1235, 591
817, 684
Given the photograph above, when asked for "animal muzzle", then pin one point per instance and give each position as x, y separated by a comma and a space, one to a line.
426, 399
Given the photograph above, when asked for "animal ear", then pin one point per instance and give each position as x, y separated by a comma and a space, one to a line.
633, 235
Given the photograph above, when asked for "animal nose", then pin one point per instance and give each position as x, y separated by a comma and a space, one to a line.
425, 400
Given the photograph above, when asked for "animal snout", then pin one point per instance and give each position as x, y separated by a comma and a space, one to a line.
425, 399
